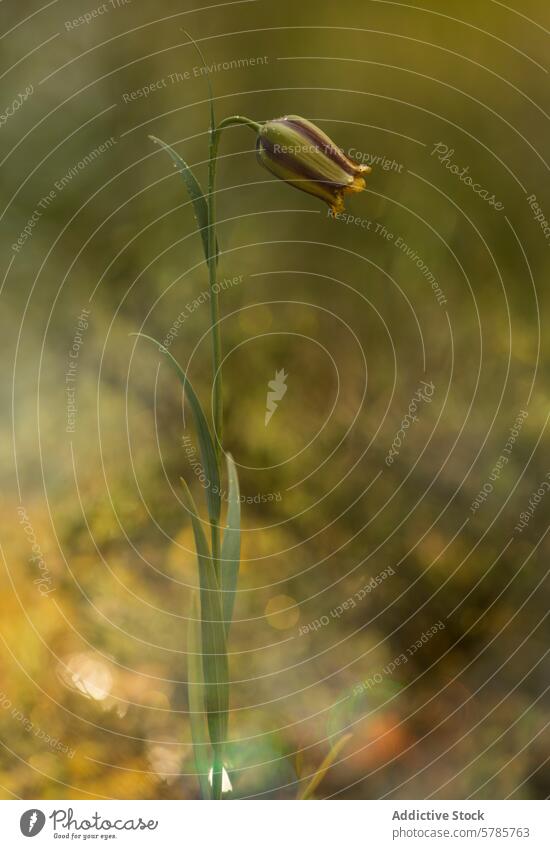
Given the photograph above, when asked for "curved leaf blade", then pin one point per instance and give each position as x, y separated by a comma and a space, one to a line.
214, 652
207, 75
195, 691
206, 444
194, 190
231, 545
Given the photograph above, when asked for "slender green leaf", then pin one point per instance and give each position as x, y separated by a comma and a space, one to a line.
213, 141
207, 75
195, 690
195, 192
231, 545
318, 776
206, 445
214, 653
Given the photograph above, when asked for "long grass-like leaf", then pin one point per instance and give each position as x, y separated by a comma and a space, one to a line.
198, 198
206, 445
195, 690
207, 75
214, 653
231, 545
318, 776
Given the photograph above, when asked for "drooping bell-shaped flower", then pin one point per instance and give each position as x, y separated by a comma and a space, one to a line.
298, 152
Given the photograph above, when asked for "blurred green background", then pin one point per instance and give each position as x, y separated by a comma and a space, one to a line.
98, 561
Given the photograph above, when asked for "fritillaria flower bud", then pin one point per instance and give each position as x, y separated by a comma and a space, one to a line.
298, 152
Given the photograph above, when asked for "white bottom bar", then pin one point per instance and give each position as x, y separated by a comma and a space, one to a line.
272, 825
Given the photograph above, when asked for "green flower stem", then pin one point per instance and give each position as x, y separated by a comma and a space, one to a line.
214, 306
238, 119
212, 267
217, 386
217, 392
